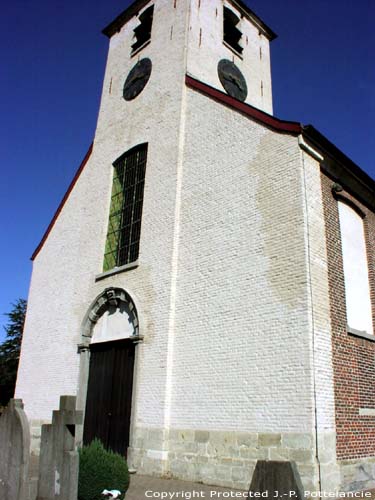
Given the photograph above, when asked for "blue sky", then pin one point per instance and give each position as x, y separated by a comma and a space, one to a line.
53, 58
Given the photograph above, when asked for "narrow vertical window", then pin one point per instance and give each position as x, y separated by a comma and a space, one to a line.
232, 35
124, 227
357, 286
142, 32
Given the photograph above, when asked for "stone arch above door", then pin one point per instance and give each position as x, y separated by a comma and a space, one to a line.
115, 298
110, 301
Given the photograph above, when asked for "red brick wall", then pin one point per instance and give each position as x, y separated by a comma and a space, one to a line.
353, 357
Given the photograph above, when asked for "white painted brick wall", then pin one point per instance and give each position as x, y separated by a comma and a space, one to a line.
319, 294
63, 284
242, 343
235, 338
320, 322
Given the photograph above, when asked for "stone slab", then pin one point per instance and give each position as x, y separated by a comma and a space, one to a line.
277, 479
14, 452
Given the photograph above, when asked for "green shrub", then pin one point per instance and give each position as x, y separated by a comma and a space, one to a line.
100, 469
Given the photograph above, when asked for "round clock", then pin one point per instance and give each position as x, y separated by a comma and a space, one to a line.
137, 79
232, 79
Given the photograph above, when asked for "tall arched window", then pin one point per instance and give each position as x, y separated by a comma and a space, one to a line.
357, 286
124, 227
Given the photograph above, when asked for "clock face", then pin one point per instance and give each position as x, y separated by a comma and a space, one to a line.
232, 79
137, 79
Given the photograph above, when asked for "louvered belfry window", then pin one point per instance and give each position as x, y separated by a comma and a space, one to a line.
124, 227
142, 32
232, 34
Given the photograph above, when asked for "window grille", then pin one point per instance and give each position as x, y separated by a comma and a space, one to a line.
142, 32
232, 35
124, 227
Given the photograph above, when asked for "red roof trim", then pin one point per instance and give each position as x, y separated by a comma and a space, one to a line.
62, 203
293, 128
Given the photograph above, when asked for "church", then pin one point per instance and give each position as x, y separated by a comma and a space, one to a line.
206, 287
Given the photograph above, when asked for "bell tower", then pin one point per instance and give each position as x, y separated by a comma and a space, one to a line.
229, 50
183, 148
155, 43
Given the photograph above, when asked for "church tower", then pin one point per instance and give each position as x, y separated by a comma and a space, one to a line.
158, 51
188, 261
223, 44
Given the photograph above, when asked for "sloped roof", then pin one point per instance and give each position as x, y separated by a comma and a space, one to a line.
62, 202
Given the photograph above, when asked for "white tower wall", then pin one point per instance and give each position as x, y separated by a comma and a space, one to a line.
206, 48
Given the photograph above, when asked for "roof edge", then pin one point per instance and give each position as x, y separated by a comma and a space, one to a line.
284, 126
62, 202
335, 163
261, 25
341, 168
124, 17
135, 7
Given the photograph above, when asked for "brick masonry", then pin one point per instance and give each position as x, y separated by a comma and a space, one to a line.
353, 357
217, 195
63, 282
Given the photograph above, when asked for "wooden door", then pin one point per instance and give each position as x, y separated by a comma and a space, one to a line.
109, 394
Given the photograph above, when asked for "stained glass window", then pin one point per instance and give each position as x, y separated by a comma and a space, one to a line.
124, 227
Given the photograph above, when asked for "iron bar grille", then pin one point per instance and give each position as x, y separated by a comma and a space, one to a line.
124, 227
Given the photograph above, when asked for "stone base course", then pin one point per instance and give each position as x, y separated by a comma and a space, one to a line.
222, 458
357, 474
228, 459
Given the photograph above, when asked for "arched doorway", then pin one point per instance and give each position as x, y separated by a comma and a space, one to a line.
110, 335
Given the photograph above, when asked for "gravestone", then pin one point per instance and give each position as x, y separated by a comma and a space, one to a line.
14, 452
59, 460
277, 480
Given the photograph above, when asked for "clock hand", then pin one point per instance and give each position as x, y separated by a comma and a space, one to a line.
234, 80
135, 79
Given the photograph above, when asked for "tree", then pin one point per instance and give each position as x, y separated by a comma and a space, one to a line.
10, 350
